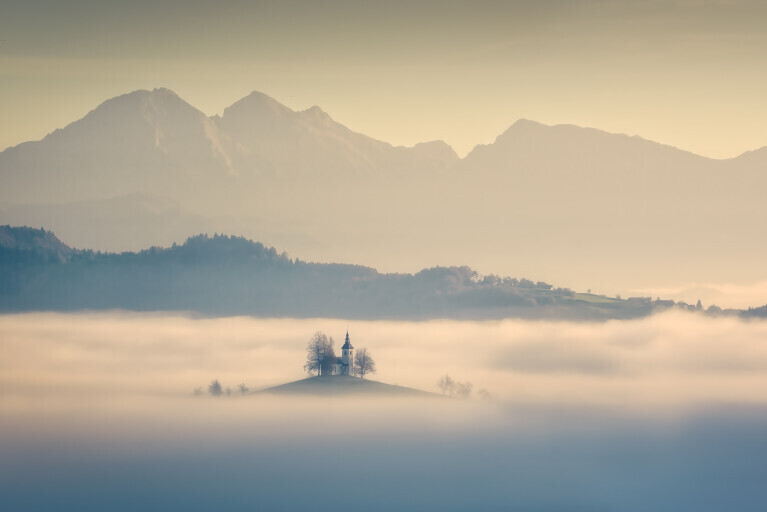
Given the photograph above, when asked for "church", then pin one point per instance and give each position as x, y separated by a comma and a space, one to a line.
344, 365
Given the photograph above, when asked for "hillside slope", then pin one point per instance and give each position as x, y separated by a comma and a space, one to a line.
344, 385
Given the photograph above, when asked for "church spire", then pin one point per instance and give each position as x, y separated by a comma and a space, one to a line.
347, 343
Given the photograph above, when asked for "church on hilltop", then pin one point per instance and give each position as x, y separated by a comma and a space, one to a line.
344, 365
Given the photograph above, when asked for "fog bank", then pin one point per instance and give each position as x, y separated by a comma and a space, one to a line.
97, 412
676, 358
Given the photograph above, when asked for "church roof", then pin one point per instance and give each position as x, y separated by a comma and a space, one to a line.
347, 343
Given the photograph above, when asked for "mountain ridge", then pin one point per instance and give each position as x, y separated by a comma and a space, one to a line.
568, 202
275, 105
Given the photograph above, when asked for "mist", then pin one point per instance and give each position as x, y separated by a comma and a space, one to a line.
673, 357
663, 413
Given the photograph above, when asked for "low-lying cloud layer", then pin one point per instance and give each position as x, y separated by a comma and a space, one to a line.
670, 357
725, 295
664, 413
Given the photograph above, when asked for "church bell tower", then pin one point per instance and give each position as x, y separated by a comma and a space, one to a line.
347, 356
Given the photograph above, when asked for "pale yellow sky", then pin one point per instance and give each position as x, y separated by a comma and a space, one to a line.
690, 73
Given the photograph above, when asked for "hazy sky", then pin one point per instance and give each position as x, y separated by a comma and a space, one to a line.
690, 73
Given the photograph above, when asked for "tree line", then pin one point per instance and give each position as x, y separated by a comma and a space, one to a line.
215, 388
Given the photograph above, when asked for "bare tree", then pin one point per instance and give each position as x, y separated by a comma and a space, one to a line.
326, 368
363, 363
318, 351
243, 389
214, 388
446, 384
228, 391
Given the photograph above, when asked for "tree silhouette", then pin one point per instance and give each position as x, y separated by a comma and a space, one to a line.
463, 389
445, 384
451, 387
214, 388
329, 359
318, 352
363, 363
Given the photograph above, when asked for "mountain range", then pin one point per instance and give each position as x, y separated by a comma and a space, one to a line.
583, 207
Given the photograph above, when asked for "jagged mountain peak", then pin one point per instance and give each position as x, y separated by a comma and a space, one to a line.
156, 93
142, 141
137, 108
159, 99
316, 113
257, 104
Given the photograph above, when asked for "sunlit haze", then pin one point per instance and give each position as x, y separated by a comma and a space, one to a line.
383, 255
685, 73
673, 359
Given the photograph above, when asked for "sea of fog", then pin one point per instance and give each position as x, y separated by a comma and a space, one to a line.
98, 412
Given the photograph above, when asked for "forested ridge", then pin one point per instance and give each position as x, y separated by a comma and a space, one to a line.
229, 275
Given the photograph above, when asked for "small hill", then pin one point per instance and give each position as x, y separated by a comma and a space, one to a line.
28, 245
344, 385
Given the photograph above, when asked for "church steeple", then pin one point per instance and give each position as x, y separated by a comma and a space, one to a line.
347, 343
347, 356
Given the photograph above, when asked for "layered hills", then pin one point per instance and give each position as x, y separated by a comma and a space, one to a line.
585, 208
224, 275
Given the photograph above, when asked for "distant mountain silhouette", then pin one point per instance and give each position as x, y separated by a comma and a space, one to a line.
154, 142
578, 205
145, 141
269, 138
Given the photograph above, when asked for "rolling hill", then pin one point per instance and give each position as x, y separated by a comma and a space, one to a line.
224, 276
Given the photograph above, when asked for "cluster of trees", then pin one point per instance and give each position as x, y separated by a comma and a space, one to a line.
216, 389
453, 388
760, 312
495, 280
320, 357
